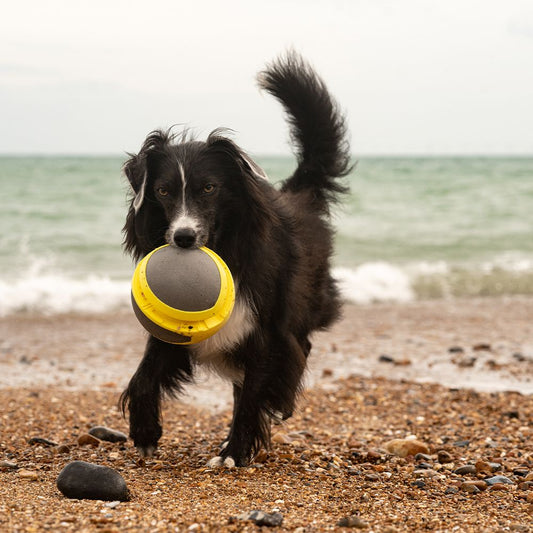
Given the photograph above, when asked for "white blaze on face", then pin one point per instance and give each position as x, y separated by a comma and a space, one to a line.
183, 219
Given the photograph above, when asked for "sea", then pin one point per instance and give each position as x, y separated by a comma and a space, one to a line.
410, 228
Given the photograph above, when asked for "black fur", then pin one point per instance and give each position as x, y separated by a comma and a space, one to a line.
276, 242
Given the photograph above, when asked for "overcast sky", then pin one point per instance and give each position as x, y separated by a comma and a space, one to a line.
414, 76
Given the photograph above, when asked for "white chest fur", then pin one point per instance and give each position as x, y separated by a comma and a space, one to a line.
210, 352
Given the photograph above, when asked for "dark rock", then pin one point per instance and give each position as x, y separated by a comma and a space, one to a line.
512, 414
482, 346
383, 358
424, 466
498, 479
85, 481
466, 469
260, 518
420, 483
451, 490
39, 440
107, 434
455, 349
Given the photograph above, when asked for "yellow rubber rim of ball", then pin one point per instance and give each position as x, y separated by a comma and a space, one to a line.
197, 325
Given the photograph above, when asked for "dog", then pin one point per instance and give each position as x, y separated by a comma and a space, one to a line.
276, 241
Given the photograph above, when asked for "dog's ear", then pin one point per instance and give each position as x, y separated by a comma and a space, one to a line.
135, 171
142, 230
136, 167
218, 142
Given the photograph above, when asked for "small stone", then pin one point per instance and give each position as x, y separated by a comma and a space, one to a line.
406, 447
419, 483
423, 457
80, 480
482, 466
451, 490
526, 485
466, 469
352, 521
372, 477
384, 358
499, 479
470, 488
461, 443
482, 346
281, 438
444, 457
479, 484
455, 349
107, 434
40, 440
260, 518
499, 486
8, 465
28, 475
63, 448
88, 440
529, 477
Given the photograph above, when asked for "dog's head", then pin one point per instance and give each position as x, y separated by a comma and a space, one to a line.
187, 193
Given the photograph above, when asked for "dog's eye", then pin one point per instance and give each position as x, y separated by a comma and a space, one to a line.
209, 188
162, 191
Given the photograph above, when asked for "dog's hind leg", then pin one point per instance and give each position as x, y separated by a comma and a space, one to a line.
163, 369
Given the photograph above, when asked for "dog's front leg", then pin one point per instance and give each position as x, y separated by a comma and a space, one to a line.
271, 383
163, 369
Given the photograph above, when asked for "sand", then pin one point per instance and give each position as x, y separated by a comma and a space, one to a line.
457, 375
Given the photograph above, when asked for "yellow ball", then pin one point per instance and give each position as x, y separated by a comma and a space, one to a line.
182, 296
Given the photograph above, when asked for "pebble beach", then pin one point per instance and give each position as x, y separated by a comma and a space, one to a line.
415, 417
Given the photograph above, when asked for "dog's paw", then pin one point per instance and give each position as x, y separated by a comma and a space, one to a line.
221, 462
146, 451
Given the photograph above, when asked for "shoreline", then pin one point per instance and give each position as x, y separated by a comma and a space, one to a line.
484, 343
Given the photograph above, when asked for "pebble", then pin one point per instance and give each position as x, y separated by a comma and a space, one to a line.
465, 469
405, 447
499, 479
455, 349
423, 457
281, 438
260, 518
88, 440
444, 457
28, 475
461, 444
8, 465
479, 484
107, 434
352, 521
80, 480
40, 440
63, 448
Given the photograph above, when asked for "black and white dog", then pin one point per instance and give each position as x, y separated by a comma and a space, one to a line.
277, 243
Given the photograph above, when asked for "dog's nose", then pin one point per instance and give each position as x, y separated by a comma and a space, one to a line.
185, 237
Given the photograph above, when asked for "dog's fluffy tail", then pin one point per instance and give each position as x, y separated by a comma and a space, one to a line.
317, 126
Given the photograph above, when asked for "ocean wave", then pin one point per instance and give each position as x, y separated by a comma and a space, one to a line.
42, 291
56, 293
